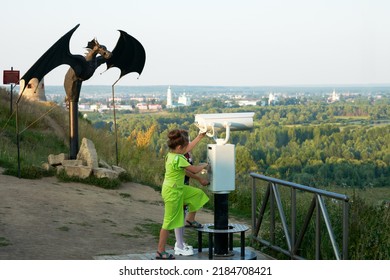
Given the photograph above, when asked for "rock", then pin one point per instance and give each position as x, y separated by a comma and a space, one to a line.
104, 164
82, 172
60, 168
72, 162
86, 164
55, 160
118, 169
105, 173
46, 166
87, 153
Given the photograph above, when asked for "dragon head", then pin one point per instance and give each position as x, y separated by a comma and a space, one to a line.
96, 48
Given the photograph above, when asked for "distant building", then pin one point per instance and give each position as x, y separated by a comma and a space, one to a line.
169, 98
155, 107
247, 102
184, 100
272, 99
117, 100
151, 107
94, 107
124, 107
142, 106
139, 99
85, 108
334, 97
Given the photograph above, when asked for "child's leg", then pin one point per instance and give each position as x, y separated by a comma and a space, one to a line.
191, 216
195, 198
163, 240
179, 234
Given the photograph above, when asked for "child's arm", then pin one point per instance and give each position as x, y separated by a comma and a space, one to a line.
201, 180
193, 143
196, 168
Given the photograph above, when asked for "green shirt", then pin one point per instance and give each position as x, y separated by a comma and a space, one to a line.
175, 165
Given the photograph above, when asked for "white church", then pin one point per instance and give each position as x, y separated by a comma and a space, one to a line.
183, 100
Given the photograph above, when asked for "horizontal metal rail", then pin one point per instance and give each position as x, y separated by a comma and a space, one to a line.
272, 200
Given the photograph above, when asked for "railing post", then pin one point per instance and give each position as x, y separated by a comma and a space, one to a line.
318, 229
254, 205
293, 221
345, 229
272, 215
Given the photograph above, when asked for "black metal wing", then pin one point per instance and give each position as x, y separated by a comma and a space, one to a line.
56, 55
128, 55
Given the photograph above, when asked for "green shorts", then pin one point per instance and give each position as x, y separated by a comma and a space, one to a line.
175, 198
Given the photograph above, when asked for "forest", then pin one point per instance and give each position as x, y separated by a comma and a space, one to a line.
321, 145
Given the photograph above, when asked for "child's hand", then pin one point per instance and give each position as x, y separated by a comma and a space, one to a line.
203, 181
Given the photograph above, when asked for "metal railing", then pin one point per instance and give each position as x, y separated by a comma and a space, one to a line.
293, 240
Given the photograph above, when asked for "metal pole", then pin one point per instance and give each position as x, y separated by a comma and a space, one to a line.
12, 93
221, 244
17, 130
254, 205
17, 137
115, 127
318, 230
10, 103
73, 129
272, 214
293, 221
345, 229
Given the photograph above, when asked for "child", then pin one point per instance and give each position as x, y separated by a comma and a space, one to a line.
175, 194
190, 221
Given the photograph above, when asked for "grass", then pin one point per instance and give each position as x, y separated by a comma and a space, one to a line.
125, 195
126, 235
64, 228
371, 196
83, 224
110, 222
4, 242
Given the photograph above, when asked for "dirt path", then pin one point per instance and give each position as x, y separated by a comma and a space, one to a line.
47, 219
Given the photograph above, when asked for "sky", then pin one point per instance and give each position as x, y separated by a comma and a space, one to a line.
211, 42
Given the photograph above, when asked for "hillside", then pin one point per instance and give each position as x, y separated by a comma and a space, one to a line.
47, 219
43, 130
44, 218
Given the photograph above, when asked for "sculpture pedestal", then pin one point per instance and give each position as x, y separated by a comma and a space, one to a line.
73, 129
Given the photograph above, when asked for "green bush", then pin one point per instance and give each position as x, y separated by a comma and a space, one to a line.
369, 233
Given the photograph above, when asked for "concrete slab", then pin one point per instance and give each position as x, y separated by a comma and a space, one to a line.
250, 254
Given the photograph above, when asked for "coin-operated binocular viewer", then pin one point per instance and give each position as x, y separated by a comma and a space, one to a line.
221, 175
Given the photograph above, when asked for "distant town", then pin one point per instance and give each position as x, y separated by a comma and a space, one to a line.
158, 98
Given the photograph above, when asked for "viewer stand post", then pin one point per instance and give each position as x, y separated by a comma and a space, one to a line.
221, 173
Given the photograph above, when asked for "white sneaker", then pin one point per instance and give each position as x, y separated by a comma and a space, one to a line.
184, 245
186, 251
